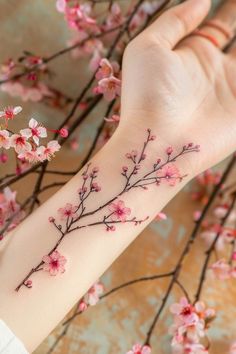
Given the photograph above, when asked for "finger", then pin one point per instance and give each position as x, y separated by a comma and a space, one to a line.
177, 22
222, 26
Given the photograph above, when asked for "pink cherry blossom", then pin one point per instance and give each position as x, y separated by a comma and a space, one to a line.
119, 211
18, 142
10, 112
161, 216
47, 152
94, 293
209, 235
68, 211
221, 269
115, 17
209, 177
110, 87
5, 139
189, 348
183, 308
61, 5
220, 211
170, 173
35, 93
105, 69
8, 208
189, 326
139, 349
203, 312
29, 154
35, 131
54, 263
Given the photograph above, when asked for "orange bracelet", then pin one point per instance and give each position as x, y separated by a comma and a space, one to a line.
211, 38
220, 26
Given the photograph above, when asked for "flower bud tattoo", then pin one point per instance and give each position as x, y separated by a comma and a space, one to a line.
115, 211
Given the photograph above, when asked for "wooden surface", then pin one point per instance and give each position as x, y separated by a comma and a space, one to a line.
123, 318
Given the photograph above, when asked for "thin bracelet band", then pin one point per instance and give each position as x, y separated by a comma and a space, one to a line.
220, 26
211, 38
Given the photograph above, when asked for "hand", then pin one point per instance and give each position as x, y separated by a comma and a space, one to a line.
183, 86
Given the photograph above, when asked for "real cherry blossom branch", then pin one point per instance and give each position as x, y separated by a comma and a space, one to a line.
188, 245
122, 286
61, 52
211, 249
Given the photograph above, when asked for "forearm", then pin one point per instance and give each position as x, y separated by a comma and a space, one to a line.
89, 249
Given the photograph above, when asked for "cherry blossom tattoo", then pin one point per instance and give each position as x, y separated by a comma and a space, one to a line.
73, 217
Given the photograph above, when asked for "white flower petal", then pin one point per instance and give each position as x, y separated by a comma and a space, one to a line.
26, 132
33, 123
17, 109
36, 139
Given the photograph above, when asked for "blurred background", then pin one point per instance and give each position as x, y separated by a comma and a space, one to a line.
121, 320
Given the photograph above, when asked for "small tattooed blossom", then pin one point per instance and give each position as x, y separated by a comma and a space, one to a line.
35, 131
170, 173
54, 263
47, 152
119, 211
5, 139
68, 211
233, 348
139, 349
9, 113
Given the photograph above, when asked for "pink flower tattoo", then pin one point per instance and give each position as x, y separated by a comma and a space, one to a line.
72, 217
54, 263
119, 211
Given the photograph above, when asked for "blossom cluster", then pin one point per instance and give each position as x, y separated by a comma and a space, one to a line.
26, 142
9, 210
29, 86
190, 326
85, 23
226, 235
92, 297
109, 83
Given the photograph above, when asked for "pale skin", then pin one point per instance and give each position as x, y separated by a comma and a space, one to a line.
192, 98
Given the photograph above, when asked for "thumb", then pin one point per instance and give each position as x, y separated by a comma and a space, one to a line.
179, 21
